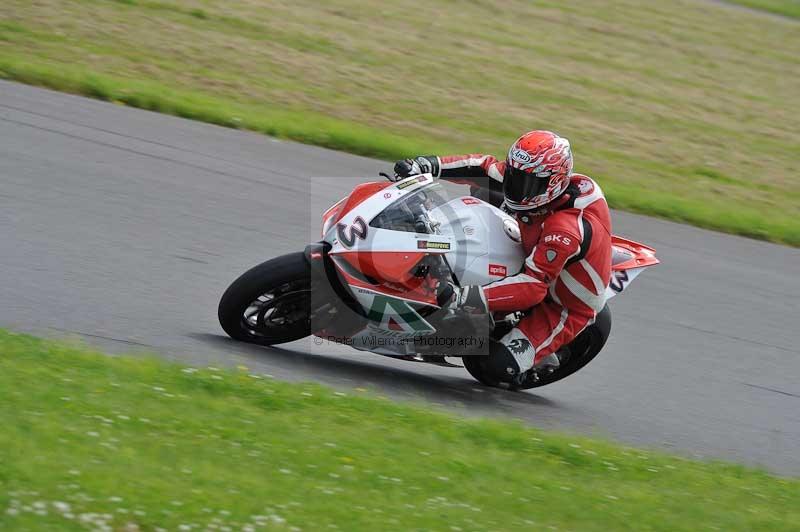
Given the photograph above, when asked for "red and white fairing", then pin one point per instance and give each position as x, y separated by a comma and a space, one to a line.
377, 250
628, 260
486, 240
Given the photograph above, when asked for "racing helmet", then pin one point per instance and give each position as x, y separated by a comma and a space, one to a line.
538, 170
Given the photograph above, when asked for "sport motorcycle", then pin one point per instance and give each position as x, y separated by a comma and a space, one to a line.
382, 275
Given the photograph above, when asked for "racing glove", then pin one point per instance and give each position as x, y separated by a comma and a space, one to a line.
469, 299
424, 164
469, 302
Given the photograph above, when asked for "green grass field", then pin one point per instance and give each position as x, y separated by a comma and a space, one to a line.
787, 8
91, 441
683, 109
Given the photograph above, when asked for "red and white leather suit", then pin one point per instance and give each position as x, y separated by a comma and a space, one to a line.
568, 263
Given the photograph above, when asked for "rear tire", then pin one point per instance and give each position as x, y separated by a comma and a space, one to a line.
476, 366
582, 350
270, 303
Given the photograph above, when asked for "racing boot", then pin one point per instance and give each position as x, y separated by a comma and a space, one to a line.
513, 356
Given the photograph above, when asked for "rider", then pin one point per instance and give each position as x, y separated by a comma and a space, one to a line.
566, 233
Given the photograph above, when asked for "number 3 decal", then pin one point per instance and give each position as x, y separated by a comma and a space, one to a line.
618, 281
348, 234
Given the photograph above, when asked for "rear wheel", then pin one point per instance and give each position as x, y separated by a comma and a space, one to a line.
270, 303
575, 355
476, 366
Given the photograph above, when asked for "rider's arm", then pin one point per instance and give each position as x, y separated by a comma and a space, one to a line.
558, 242
466, 168
474, 169
483, 173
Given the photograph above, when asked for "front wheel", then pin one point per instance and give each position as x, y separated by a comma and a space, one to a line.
270, 303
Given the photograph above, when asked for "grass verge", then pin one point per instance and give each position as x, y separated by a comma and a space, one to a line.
339, 134
91, 441
787, 8
666, 104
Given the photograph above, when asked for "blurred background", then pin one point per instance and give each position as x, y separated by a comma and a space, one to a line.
682, 109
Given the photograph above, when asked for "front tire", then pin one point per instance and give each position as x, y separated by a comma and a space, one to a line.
270, 303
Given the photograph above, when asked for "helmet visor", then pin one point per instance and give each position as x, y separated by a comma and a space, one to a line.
519, 185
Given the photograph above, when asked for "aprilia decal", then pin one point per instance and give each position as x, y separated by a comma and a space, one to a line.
349, 234
425, 244
498, 269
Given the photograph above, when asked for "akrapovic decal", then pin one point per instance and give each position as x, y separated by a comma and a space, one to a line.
349, 233
426, 244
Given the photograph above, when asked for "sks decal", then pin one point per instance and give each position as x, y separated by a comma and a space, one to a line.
619, 281
348, 234
498, 269
471, 201
425, 244
558, 238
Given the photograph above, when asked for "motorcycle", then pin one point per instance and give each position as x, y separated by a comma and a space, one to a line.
380, 278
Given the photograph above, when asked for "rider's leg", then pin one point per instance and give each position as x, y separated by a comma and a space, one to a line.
502, 364
535, 340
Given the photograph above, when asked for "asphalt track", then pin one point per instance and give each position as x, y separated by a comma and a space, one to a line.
123, 227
